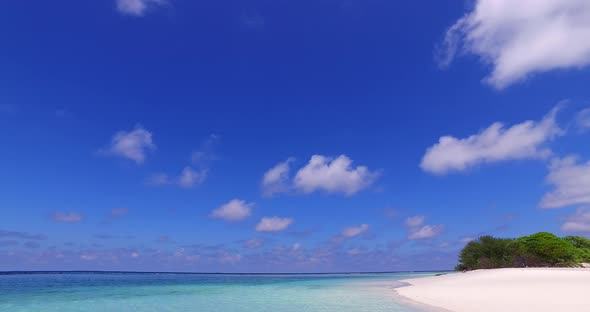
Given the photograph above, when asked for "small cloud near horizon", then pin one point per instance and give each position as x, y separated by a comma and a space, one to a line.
66, 217
234, 210
273, 224
417, 229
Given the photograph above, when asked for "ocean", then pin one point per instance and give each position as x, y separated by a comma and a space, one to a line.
128, 292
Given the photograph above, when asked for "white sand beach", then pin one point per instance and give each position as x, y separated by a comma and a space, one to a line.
526, 289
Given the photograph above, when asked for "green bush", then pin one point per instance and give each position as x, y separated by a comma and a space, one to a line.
582, 245
540, 249
578, 241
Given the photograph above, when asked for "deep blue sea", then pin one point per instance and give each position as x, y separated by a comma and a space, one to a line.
128, 292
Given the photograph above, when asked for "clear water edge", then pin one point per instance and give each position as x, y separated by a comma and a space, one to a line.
204, 293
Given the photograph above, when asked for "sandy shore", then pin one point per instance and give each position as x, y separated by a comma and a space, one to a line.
530, 289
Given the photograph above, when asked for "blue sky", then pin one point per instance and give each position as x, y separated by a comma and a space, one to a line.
290, 136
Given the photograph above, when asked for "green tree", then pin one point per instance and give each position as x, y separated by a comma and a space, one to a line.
540, 249
544, 249
485, 253
582, 245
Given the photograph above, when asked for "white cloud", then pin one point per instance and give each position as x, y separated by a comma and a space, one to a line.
354, 230
88, 257
578, 222
234, 210
205, 154
253, 243
201, 159
137, 7
522, 37
494, 144
229, 258
571, 181
418, 230
583, 119
276, 179
296, 247
66, 217
467, 239
131, 145
192, 258
189, 177
273, 224
415, 221
354, 251
333, 176
158, 179
426, 231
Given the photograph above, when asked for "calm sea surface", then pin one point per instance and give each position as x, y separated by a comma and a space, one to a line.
128, 292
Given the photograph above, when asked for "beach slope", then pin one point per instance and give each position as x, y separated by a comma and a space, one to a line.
526, 289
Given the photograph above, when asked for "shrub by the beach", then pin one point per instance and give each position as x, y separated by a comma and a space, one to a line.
544, 249
578, 241
485, 253
582, 245
540, 249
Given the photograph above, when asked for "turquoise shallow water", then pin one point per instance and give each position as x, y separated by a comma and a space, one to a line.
204, 293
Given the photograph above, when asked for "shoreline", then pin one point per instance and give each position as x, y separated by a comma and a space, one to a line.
511, 289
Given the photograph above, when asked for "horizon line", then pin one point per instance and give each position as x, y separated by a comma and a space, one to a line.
16, 272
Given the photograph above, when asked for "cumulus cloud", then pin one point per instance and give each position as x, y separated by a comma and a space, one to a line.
273, 224
252, 20
583, 119
276, 179
578, 222
230, 258
88, 256
494, 144
164, 239
71, 217
417, 229
354, 251
253, 243
137, 7
205, 154
467, 239
571, 183
158, 179
201, 159
521, 38
132, 145
189, 177
333, 176
194, 174
234, 210
21, 235
353, 231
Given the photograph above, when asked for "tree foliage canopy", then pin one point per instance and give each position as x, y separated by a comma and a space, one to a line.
540, 249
